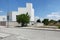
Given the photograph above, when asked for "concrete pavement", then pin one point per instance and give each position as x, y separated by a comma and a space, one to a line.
34, 33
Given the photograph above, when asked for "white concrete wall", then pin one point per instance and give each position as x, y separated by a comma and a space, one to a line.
12, 24
30, 10
38, 25
29, 5
22, 10
14, 13
3, 18
32, 15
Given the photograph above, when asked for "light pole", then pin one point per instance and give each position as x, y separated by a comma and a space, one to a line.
7, 20
7, 13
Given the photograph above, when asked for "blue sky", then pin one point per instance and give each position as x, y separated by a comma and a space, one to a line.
43, 8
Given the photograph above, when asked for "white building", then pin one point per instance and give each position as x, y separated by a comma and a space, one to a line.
23, 10
3, 18
11, 16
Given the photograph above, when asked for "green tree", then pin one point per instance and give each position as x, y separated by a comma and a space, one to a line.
59, 21
38, 21
45, 21
23, 19
52, 21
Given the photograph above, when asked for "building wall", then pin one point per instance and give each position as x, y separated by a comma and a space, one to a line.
30, 10
14, 13
2, 23
12, 24
11, 16
3, 18
29, 5
32, 15
24, 10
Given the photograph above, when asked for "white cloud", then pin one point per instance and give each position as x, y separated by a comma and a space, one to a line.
1, 11
36, 18
41, 18
54, 16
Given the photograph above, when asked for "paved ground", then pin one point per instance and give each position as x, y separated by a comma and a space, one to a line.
33, 34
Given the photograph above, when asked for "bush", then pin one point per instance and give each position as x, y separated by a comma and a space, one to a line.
38, 21
45, 21
58, 27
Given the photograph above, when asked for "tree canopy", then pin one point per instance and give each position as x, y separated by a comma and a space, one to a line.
38, 20
59, 21
45, 21
23, 19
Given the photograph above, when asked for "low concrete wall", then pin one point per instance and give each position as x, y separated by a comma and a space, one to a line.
34, 33
38, 24
12, 24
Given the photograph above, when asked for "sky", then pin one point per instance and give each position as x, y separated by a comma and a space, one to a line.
43, 8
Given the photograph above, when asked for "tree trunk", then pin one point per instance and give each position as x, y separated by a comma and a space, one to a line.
26, 24
22, 24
